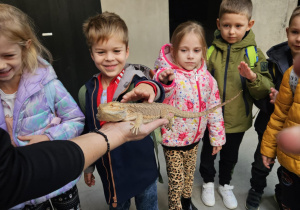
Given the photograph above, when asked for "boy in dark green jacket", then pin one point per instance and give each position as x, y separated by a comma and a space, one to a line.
229, 64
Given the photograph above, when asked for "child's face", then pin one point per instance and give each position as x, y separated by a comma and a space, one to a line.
189, 53
293, 35
10, 61
110, 57
233, 27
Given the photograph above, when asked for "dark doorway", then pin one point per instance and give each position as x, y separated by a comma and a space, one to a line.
64, 19
205, 12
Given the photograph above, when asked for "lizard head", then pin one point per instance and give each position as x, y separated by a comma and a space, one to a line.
111, 112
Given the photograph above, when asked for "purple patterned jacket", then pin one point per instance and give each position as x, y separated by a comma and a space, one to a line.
32, 114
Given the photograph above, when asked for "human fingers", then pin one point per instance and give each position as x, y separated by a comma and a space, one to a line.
145, 92
87, 178
37, 138
166, 75
24, 138
123, 129
130, 96
146, 129
216, 149
242, 65
273, 95
151, 98
140, 94
93, 180
265, 161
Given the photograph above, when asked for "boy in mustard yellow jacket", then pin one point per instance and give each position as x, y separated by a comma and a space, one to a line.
286, 114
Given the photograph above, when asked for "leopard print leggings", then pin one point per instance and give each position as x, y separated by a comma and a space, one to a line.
181, 165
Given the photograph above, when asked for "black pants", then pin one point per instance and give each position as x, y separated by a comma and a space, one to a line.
67, 201
290, 188
259, 172
228, 158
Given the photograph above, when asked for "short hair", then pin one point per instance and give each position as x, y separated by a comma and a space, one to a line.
186, 28
243, 7
296, 13
18, 28
103, 26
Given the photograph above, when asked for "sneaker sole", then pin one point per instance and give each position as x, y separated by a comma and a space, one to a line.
247, 207
208, 204
224, 202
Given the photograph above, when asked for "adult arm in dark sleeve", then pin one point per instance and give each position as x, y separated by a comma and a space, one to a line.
32, 171
38, 169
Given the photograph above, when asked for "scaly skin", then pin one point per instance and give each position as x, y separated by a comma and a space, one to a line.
147, 112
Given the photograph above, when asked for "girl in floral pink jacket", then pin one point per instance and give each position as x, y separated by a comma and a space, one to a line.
182, 71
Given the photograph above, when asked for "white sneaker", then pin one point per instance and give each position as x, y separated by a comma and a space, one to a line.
208, 194
228, 196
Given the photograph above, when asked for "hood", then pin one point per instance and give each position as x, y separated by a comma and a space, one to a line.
248, 40
165, 60
281, 55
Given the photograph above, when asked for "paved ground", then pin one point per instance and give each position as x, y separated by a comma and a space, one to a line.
93, 198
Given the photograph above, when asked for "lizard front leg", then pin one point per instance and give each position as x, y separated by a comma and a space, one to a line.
137, 123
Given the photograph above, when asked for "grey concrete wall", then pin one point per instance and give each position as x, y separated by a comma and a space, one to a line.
271, 19
148, 23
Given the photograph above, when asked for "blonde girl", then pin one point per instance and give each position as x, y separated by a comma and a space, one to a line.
34, 106
190, 87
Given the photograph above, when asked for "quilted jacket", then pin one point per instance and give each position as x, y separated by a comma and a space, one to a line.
192, 91
32, 114
286, 114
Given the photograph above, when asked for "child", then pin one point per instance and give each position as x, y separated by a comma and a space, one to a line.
33, 99
280, 59
286, 114
130, 170
228, 64
190, 87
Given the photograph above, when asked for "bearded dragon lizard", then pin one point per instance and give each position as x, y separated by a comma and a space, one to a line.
147, 112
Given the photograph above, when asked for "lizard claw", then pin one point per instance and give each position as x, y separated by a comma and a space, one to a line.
134, 129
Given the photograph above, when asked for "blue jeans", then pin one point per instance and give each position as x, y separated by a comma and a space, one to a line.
147, 200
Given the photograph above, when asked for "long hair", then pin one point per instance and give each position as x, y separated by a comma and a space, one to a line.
18, 28
186, 28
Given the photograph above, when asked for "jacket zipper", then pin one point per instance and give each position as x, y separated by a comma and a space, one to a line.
199, 97
225, 76
18, 114
114, 204
41, 87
